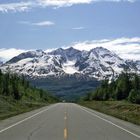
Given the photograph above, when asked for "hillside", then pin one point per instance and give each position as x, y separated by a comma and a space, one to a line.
120, 98
68, 88
126, 87
17, 96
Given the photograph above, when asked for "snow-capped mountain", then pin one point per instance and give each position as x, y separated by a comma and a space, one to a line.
96, 63
134, 64
138, 65
100, 63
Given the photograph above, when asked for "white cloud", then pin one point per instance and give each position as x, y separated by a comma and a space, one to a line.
25, 6
42, 23
6, 54
66, 3
62, 3
16, 7
78, 28
126, 48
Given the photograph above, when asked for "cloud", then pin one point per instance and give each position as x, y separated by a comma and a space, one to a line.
62, 3
25, 6
78, 28
42, 23
126, 48
7, 54
15, 7
67, 3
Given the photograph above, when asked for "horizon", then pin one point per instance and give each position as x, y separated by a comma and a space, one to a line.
125, 48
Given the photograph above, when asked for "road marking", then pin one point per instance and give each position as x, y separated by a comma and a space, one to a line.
13, 125
95, 115
65, 134
65, 123
65, 118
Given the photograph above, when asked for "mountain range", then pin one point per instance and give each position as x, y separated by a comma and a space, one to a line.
98, 63
69, 73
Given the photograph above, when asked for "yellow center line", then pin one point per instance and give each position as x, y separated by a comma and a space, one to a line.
65, 134
65, 128
65, 118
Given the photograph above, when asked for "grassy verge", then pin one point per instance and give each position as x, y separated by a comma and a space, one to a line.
120, 109
9, 107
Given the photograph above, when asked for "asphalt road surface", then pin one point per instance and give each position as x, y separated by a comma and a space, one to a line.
67, 121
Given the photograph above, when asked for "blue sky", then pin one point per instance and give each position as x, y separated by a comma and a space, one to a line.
45, 24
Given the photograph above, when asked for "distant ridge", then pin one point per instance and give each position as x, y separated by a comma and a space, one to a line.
97, 63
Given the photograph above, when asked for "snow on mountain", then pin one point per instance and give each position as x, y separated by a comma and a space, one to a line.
29, 54
100, 63
96, 63
34, 64
138, 65
69, 67
134, 64
69, 54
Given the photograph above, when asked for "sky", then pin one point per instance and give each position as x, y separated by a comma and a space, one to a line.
83, 24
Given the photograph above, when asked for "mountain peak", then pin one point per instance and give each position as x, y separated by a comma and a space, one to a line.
71, 49
39, 50
96, 63
100, 49
61, 50
29, 54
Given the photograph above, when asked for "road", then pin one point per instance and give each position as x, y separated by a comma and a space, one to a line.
67, 121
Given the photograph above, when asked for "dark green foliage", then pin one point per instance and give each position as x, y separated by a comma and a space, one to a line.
5, 84
134, 96
66, 88
19, 89
126, 87
136, 82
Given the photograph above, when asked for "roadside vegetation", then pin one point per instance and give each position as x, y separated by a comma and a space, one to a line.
121, 109
18, 96
120, 98
126, 87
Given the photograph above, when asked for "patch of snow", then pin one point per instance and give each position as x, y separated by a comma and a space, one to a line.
69, 67
24, 61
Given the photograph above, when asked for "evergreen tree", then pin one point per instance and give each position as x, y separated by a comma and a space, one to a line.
125, 87
132, 96
136, 82
18, 88
5, 84
15, 90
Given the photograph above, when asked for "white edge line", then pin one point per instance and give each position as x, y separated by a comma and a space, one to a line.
93, 114
25, 119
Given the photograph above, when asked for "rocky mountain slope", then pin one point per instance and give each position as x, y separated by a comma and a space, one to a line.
97, 63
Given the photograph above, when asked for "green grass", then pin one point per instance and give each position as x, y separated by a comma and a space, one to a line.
10, 107
120, 109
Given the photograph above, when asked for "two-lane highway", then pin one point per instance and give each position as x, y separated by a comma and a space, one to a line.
66, 121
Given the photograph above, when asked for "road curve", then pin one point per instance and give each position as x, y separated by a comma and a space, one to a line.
67, 121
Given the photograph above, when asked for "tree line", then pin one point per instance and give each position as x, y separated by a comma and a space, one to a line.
18, 88
125, 87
